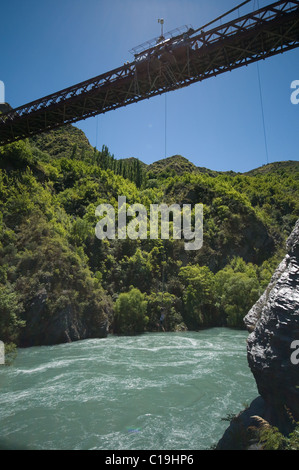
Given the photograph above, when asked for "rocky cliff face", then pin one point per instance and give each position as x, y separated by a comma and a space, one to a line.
66, 324
273, 323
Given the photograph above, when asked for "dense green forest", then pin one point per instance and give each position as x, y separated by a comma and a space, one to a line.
58, 282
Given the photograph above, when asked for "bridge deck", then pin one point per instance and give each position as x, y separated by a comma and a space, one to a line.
266, 32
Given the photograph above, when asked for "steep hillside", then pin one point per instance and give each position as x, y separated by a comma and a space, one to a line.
59, 283
278, 168
68, 142
173, 166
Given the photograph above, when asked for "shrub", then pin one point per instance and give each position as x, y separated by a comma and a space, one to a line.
130, 313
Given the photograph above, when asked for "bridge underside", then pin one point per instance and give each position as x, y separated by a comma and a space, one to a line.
262, 34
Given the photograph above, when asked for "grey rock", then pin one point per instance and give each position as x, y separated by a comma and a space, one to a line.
255, 312
65, 325
237, 436
273, 324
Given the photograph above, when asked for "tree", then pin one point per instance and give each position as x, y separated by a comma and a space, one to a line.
130, 313
170, 306
237, 289
10, 309
198, 296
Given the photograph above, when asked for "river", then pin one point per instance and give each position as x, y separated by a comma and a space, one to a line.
166, 391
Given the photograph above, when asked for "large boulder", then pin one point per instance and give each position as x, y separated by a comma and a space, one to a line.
273, 323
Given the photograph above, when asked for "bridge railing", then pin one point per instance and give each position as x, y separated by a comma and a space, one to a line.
246, 22
70, 92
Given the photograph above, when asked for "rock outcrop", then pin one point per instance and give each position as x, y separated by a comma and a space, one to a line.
275, 319
5, 107
273, 323
66, 324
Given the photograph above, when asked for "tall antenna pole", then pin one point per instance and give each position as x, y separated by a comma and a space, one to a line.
161, 22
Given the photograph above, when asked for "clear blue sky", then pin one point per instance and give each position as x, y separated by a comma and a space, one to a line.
47, 45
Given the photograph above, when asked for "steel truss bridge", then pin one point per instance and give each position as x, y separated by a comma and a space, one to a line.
172, 62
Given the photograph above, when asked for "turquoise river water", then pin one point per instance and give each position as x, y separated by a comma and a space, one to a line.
166, 391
